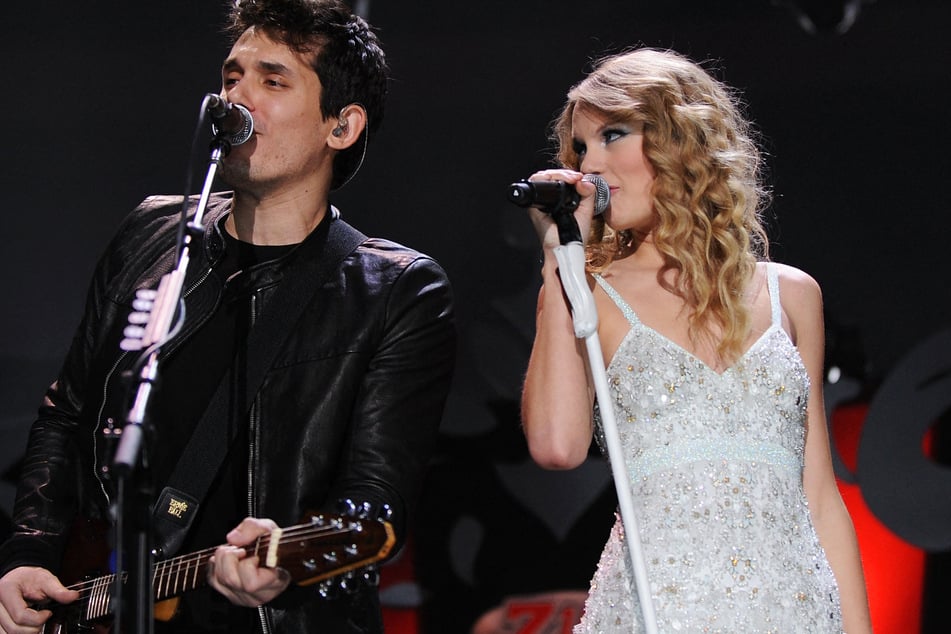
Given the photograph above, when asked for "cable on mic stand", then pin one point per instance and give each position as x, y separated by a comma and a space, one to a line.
571, 270
132, 510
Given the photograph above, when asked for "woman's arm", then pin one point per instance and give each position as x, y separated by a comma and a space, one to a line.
802, 300
557, 398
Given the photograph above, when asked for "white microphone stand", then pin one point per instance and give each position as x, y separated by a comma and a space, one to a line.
571, 259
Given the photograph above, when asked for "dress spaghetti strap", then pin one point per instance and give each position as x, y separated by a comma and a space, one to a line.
622, 305
772, 281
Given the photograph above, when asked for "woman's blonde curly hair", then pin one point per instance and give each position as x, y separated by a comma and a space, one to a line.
707, 192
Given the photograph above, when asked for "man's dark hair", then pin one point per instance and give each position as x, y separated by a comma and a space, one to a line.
345, 54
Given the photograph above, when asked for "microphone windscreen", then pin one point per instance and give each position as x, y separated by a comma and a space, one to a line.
602, 194
245, 129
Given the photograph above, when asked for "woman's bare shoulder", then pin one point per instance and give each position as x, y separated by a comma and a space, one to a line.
801, 299
794, 281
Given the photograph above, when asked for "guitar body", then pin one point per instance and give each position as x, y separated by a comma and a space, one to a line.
70, 619
321, 548
86, 557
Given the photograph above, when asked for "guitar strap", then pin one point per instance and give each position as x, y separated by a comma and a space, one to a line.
227, 413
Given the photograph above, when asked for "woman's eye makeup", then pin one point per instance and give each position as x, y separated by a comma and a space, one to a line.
608, 135
613, 134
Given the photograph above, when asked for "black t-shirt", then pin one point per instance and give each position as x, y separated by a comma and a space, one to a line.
188, 379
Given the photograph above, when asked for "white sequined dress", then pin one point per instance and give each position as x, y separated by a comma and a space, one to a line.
715, 462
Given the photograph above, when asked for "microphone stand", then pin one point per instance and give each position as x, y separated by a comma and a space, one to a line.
133, 610
571, 258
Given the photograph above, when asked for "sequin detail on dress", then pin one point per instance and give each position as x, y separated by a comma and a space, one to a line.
715, 462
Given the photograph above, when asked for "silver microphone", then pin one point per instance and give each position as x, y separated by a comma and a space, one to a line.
551, 196
230, 121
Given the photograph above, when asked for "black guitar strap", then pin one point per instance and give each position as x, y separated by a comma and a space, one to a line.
227, 413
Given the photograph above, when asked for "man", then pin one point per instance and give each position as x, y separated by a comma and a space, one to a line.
349, 407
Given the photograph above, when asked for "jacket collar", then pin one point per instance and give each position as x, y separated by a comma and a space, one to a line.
217, 211
219, 206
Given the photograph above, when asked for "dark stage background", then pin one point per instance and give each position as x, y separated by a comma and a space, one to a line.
98, 107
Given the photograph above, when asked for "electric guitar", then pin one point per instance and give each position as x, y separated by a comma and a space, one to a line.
324, 547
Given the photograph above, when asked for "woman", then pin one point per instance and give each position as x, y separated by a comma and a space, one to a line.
715, 366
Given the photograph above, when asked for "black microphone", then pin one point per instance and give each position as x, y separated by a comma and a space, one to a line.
552, 196
230, 121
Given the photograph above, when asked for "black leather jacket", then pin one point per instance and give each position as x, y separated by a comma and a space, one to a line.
349, 409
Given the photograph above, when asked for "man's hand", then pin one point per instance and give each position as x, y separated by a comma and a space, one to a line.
238, 576
25, 585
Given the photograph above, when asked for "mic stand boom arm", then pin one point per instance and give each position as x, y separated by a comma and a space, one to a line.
571, 259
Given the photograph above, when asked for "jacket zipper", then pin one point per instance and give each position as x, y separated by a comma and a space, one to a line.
110, 424
254, 431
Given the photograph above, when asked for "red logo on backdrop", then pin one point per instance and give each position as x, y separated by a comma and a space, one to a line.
551, 613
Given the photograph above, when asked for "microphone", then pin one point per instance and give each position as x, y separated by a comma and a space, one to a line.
231, 121
552, 196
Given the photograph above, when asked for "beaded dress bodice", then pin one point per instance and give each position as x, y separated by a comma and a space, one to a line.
715, 463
